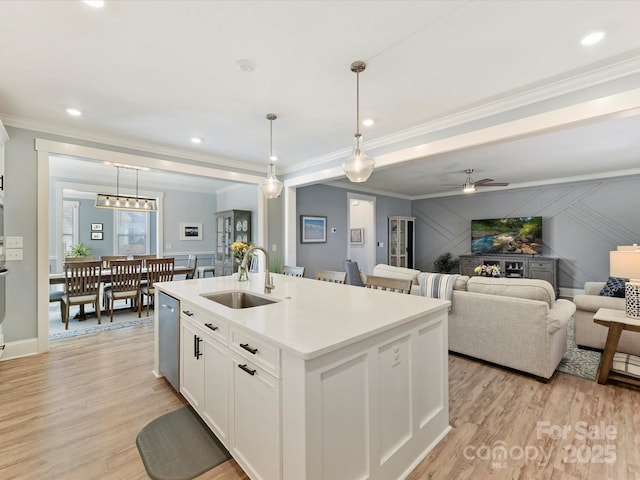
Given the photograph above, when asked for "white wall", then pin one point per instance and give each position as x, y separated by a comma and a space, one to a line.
362, 215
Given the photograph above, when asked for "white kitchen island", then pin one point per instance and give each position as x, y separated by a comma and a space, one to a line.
329, 382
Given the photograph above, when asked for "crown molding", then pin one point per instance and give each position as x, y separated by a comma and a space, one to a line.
519, 99
150, 148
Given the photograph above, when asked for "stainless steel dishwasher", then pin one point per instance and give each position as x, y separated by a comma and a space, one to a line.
169, 339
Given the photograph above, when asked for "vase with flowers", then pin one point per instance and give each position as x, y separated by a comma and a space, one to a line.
487, 270
239, 250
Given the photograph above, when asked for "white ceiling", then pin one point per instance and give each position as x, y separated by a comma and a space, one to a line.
151, 75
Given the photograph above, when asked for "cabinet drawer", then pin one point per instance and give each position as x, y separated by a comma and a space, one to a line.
258, 351
540, 265
209, 322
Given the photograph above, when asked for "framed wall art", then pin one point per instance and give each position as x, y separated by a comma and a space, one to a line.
190, 231
313, 229
357, 236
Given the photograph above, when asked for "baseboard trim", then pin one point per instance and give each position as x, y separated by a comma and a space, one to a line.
21, 348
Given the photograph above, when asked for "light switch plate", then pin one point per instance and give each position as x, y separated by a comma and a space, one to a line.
13, 254
13, 242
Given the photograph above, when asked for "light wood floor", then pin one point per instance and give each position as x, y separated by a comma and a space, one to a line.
74, 413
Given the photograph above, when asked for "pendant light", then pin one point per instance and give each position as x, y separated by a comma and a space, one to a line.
271, 186
358, 166
125, 202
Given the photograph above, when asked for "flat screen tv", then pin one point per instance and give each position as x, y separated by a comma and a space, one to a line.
517, 235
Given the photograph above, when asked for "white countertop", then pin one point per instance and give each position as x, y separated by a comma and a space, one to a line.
311, 317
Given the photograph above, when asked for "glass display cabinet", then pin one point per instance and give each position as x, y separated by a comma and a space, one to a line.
231, 226
402, 241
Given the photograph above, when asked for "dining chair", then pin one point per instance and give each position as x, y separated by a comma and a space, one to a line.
56, 296
106, 264
144, 258
192, 263
354, 276
391, 284
158, 270
107, 259
293, 271
82, 286
331, 276
125, 283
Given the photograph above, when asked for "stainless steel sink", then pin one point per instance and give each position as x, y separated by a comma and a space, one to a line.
238, 299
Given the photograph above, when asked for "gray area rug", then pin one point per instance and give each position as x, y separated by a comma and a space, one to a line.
178, 446
100, 328
577, 361
124, 317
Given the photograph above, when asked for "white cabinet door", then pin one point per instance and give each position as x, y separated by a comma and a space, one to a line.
255, 420
217, 363
191, 365
204, 377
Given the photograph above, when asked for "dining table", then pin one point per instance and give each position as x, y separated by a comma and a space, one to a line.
58, 278
105, 276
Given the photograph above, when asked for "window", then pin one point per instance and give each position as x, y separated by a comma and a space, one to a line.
70, 235
132, 232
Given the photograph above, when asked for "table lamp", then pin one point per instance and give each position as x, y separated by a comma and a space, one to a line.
625, 263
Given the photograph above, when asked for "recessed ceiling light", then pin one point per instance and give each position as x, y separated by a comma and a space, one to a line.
592, 38
95, 3
367, 122
246, 65
74, 112
196, 140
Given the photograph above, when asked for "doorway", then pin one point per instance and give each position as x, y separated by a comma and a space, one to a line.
362, 231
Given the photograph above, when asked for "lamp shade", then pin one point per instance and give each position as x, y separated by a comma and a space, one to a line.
271, 186
358, 166
625, 263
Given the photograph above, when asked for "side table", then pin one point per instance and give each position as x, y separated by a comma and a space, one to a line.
616, 321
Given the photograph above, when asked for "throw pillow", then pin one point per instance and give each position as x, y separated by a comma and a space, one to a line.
614, 287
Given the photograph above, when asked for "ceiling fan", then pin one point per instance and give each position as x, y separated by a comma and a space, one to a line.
470, 186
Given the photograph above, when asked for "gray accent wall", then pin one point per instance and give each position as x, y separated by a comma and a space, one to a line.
332, 202
581, 223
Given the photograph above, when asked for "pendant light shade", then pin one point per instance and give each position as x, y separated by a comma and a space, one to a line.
358, 166
271, 186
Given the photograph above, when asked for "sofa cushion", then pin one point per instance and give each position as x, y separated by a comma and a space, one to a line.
614, 287
389, 271
532, 289
461, 281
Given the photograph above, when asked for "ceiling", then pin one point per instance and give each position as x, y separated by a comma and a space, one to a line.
150, 76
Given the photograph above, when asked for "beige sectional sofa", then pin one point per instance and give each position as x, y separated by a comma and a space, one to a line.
517, 323
589, 334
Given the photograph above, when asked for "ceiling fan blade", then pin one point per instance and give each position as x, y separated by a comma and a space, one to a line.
450, 185
489, 182
493, 184
483, 181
